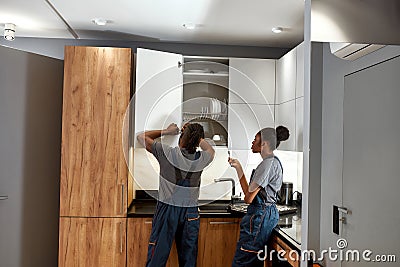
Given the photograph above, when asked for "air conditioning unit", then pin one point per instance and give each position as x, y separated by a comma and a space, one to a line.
350, 51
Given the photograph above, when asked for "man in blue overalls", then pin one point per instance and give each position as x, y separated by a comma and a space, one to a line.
176, 216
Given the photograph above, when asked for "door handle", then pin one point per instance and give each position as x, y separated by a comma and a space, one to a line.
3, 197
120, 238
344, 210
337, 219
223, 222
122, 199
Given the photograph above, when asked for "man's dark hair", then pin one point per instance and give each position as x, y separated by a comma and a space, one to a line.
195, 133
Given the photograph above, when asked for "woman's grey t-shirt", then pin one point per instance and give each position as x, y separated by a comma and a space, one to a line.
268, 175
170, 158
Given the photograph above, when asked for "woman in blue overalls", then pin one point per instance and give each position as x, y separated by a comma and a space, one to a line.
262, 215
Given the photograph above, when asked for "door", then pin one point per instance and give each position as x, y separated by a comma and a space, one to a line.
97, 84
217, 241
371, 161
158, 102
139, 230
92, 242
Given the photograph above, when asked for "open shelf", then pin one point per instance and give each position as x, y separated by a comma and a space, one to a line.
206, 74
188, 116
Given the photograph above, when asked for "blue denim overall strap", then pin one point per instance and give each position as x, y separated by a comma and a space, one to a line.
255, 229
174, 222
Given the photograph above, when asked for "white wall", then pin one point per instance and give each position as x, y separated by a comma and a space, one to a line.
30, 152
334, 70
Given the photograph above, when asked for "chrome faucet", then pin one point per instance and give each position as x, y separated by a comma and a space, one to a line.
234, 197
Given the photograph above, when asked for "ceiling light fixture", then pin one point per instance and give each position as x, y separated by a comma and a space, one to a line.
99, 21
9, 31
189, 26
277, 29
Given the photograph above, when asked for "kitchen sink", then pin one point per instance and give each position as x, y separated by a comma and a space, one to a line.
214, 208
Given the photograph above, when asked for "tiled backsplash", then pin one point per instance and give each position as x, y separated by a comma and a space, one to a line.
291, 161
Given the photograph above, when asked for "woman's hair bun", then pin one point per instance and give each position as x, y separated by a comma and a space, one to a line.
282, 133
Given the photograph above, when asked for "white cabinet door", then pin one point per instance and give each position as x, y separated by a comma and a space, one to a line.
286, 116
251, 81
286, 77
158, 96
299, 123
300, 70
245, 120
157, 103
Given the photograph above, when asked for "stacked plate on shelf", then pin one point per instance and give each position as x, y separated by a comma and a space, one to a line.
215, 107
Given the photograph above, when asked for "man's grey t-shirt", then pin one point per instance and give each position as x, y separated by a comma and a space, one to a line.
170, 158
268, 175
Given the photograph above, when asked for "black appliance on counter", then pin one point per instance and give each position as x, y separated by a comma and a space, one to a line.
285, 195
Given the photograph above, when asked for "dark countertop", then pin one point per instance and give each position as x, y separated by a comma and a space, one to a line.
289, 225
146, 208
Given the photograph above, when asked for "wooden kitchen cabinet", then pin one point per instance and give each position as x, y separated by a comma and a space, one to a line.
92, 242
97, 85
217, 241
216, 247
291, 254
139, 230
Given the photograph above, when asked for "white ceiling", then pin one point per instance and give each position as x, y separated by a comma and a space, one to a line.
228, 22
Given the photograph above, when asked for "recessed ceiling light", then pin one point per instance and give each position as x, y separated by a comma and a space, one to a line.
277, 29
189, 26
99, 21
9, 31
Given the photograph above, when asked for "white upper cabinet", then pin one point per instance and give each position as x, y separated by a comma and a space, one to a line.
286, 116
300, 70
251, 81
158, 96
244, 121
299, 123
286, 77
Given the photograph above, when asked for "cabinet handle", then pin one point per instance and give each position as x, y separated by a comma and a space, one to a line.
223, 222
3, 197
122, 199
147, 222
120, 237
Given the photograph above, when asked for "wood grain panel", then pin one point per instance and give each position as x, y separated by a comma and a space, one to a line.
217, 241
92, 242
97, 84
139, 230
279, 244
